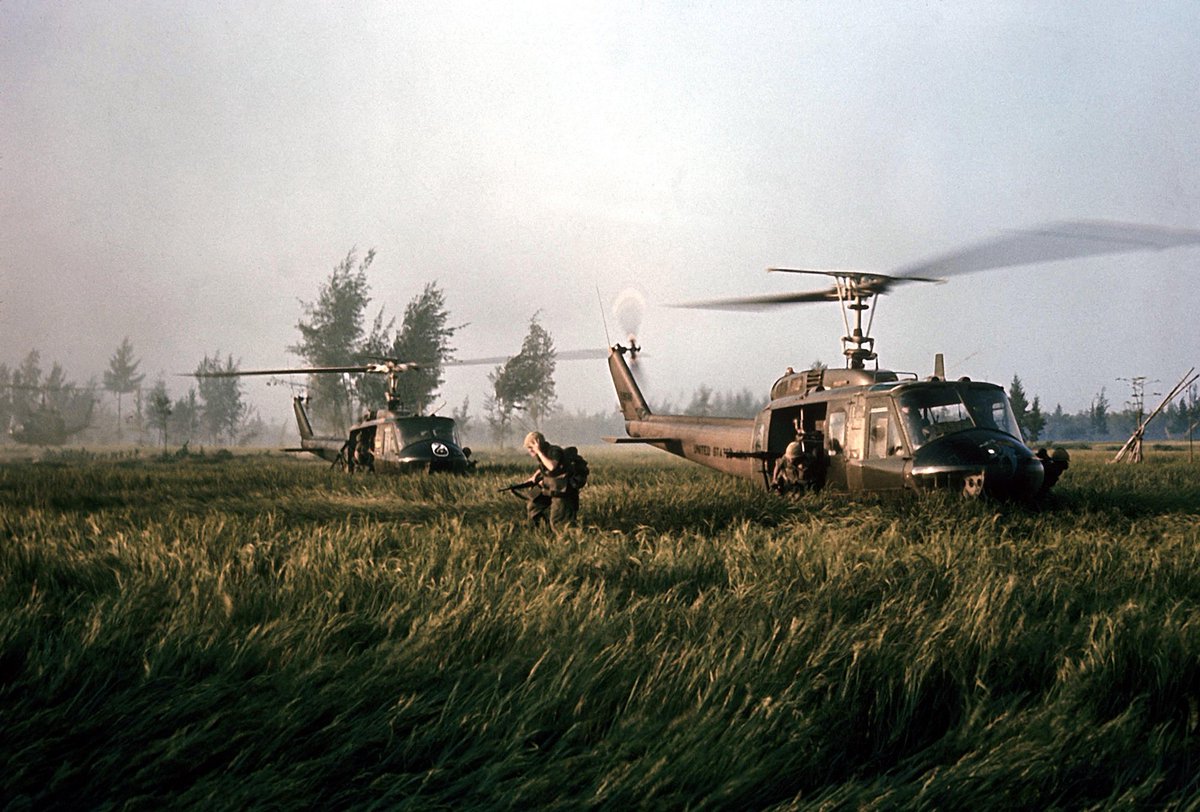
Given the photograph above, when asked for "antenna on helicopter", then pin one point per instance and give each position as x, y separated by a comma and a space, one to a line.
603, 318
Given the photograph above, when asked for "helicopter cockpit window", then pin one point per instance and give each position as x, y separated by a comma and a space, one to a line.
415, 429
991, 410
932, 413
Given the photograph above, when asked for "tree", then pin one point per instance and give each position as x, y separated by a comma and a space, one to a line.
1018, 401
332, 335
424, 337
26, 379
223, 410
6, 395
524, 382
1030, 419
122, 376
160, 410
370, 389
701, 405
1098, 414
1035, 421
737, 404
462, 417
185, 417
1182, 414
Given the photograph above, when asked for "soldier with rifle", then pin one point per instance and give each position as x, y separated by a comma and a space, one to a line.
552, 493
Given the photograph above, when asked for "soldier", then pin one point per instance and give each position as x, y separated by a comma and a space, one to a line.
555, 489
791, 470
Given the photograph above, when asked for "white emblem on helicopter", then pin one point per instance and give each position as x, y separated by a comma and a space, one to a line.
440, 450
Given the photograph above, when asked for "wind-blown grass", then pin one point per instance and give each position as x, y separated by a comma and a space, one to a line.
263, 633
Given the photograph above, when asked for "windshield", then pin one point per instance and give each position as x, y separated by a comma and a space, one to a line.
933, 412
415, 429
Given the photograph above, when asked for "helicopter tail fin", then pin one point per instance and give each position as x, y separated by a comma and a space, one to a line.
302, 422
629, 396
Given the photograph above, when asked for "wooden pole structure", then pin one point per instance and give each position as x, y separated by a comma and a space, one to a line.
1133, 445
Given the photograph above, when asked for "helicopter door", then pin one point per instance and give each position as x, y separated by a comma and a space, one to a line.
886, 456
856, 441
844, 445
387, 447
835, 446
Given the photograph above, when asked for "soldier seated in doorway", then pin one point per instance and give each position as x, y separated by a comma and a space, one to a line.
791, 470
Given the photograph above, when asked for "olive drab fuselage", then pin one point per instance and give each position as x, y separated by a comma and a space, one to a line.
875, 430
385, 441
861, 430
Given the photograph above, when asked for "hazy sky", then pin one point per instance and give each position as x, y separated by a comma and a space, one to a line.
183, 173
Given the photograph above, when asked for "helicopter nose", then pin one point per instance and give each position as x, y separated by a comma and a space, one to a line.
980, 461
433, 455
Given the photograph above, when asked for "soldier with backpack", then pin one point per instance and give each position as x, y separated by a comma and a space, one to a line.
555, 485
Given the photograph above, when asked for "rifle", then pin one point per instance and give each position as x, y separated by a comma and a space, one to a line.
520, 486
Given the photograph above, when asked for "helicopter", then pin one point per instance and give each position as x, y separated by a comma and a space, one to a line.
393, 439
864, 429
386, 440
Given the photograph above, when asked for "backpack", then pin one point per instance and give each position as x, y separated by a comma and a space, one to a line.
575, 468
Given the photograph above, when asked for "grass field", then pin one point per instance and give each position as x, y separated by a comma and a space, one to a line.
257, 632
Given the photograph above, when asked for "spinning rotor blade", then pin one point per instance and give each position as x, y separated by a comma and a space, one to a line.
1067, 239
384, 366
567, 355
286, 371
581, 355
762, 302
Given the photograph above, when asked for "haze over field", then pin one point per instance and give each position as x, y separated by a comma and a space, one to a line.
185, 173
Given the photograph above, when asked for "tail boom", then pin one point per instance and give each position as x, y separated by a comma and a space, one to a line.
709, 441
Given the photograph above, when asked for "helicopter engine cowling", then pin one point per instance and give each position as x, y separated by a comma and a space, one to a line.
980, 461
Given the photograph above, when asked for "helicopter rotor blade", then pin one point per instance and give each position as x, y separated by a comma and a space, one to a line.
282, 371
762, 302
1067, 239
867, 280
565, 355
581, 355
384, 366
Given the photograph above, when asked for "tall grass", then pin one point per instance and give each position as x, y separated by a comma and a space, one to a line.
262, 633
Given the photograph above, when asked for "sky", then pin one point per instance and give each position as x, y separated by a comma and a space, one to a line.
187, 173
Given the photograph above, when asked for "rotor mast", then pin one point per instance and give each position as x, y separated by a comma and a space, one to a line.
393, 369
852, 293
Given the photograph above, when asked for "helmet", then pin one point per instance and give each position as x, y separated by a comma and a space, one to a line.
794, 451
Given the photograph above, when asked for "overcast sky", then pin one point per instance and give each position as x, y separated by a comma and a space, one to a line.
183, 173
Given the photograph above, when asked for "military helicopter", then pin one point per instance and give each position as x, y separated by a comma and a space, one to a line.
861, 429
393, 439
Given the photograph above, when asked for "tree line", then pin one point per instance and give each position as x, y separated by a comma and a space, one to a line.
334, 331
1099, 421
